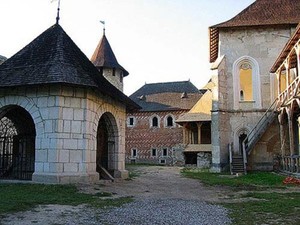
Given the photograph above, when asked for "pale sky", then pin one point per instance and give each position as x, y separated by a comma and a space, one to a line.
155, 40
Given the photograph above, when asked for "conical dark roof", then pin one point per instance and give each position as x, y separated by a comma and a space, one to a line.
53, 58
105, 57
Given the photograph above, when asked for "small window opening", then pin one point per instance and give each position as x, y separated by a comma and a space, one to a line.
155, 122
170, 121
165, 152
153, 152
133, 153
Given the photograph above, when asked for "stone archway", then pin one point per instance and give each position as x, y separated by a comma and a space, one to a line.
17, 143
107, 145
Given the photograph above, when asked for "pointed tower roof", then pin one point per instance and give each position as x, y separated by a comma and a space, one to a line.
53, 58
105, 57
260, 13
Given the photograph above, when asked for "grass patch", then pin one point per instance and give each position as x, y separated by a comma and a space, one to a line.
259, 203
251, 180
20, 197
267, 208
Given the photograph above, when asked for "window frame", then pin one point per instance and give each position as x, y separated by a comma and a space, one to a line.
152, 150
256, 84
163, 151
128, 121
158, 121
132, 153
167, 121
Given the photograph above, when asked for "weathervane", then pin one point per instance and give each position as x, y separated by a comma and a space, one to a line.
58, 8
103, 22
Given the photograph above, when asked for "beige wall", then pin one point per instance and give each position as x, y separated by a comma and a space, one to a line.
230, 116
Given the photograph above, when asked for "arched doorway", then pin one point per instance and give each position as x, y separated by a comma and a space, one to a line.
107, 141
242, 137
17, 143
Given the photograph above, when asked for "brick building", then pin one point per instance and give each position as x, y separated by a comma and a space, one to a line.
61, 121
152, 136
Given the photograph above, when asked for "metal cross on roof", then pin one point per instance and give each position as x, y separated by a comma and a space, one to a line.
58, 9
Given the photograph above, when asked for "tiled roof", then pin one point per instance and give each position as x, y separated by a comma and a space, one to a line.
259, 13
105, 57
53, 58
166, 96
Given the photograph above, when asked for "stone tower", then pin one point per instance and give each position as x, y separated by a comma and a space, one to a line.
106, 62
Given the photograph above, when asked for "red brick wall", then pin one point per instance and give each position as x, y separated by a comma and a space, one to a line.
143, 137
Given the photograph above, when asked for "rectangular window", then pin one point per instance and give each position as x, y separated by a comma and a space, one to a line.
131, 120
153, 152
162, 161
133, 153
165, 152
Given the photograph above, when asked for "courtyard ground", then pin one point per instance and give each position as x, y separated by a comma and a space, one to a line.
161, 196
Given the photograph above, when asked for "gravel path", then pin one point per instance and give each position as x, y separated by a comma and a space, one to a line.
161, 196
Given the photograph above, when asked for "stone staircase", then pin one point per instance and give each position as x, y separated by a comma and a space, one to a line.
237, 164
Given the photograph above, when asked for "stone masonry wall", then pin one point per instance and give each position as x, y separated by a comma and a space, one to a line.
115, 78
262, 44
66, 120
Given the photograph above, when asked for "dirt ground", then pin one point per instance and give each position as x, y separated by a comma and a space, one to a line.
160, 182
151, 182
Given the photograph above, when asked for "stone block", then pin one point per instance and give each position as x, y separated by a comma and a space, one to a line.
64, 156
41, 155
56, 167
67, 126
49, 126
42, 102
52, 155
39, 167
76, 127
76, 103
71, 167
79, 114
51, 101
67, 91
46, 167
67, 113
70, 144
76, 156
53, 112
59, 125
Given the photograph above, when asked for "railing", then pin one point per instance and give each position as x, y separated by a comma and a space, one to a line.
257, 131
291, 91
230, 156
291, 164
244, 158
288, 163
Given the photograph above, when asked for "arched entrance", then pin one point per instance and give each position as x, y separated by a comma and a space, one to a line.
107, 141
242, 137
17, 143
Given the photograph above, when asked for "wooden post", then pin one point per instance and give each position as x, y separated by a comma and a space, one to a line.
291, 134
199, 124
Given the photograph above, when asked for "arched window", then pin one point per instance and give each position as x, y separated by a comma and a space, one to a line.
169, 121
246, 90
246, 82
154, 121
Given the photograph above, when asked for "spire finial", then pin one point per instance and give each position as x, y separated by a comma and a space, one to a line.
103, 22
58, 9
